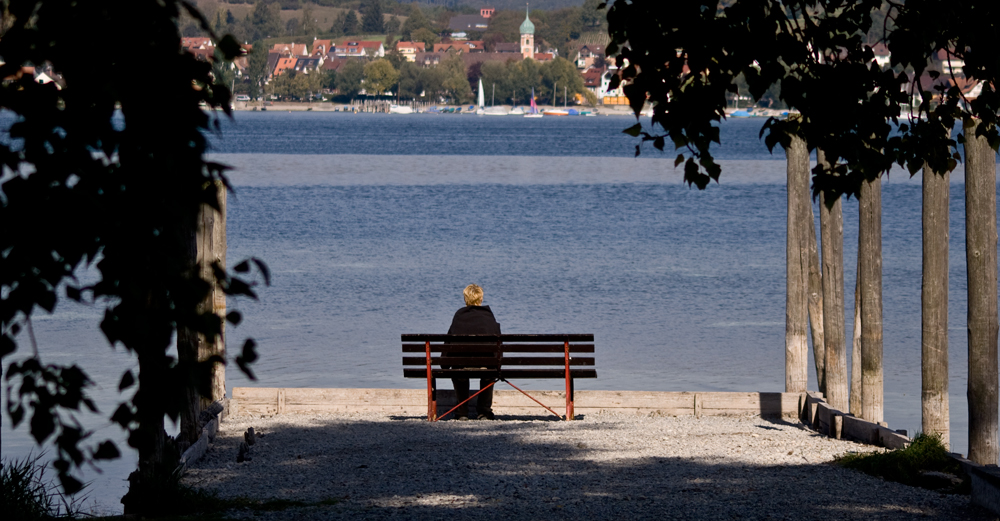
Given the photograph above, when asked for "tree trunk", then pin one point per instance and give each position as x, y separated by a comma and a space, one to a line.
934, 306
855, 402
797, 269
981, 259
870, 239
816, 325
832, 234
156, 459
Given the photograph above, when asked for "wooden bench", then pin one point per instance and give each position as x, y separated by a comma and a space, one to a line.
508, 357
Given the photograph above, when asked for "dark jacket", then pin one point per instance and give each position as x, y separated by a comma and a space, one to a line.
473, 320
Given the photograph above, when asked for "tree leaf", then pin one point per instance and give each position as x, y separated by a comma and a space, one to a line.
264, 270
42, 425
70, 485
123, 415
634, 130
127, 381
250, 351
107, 450
229, 47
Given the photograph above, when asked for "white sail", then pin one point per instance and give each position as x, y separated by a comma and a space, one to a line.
481, 102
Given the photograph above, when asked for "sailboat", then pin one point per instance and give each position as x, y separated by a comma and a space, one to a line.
481, 102
494, 110
554, 111
533, 111
515, 110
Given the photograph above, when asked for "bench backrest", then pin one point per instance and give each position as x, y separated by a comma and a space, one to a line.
508, 356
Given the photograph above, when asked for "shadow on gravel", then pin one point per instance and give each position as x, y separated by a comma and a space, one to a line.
413, 469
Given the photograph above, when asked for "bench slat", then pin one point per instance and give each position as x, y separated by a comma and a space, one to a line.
411, 337
546, 360
507, 373
451, 360
492, 362
506, 348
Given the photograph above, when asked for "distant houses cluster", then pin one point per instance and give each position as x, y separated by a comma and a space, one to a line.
324, 54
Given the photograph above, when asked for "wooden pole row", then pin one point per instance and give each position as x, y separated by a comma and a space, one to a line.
866, 397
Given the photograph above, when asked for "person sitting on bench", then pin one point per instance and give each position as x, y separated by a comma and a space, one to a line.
474, 319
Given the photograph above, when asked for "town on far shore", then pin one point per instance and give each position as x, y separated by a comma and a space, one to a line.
377, 74
388, 56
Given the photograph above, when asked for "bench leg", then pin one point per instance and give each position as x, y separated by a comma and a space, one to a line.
432, 413
569, 385
570, 413
431, 386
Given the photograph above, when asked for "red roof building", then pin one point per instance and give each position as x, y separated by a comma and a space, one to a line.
285, 63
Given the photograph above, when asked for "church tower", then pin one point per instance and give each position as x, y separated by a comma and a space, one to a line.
527, 36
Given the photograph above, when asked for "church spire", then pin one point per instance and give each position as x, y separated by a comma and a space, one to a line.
527, 27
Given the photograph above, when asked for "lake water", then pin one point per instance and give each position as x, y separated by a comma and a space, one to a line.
373, 224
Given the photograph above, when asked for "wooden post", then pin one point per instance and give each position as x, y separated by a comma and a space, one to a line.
934, 306
836, 426
832, 234
870, 254
797, 268
855, 400
207, 245
981, 259
211, 238
816, 325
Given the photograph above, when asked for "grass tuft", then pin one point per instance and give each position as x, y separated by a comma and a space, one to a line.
925, 454
27, 494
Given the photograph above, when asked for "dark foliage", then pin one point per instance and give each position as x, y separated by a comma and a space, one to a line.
111, 175
685, 57
372, 21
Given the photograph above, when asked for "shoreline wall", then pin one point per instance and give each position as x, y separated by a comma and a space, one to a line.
267, 401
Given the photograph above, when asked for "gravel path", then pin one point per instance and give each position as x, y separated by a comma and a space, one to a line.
607, 466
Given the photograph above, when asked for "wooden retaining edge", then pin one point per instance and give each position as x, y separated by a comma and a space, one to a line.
821, 417
413, 402
985, 481
211, 417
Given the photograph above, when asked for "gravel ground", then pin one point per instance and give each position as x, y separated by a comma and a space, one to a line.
606, 466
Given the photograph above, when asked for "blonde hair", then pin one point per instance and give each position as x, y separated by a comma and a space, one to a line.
473, 295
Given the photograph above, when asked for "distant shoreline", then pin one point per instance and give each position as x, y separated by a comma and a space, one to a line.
326, 106
614, 110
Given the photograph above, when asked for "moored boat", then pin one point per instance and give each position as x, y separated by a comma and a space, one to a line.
533, 111
400, 109
480, 101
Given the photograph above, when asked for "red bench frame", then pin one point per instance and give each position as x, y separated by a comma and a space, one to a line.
493, 367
